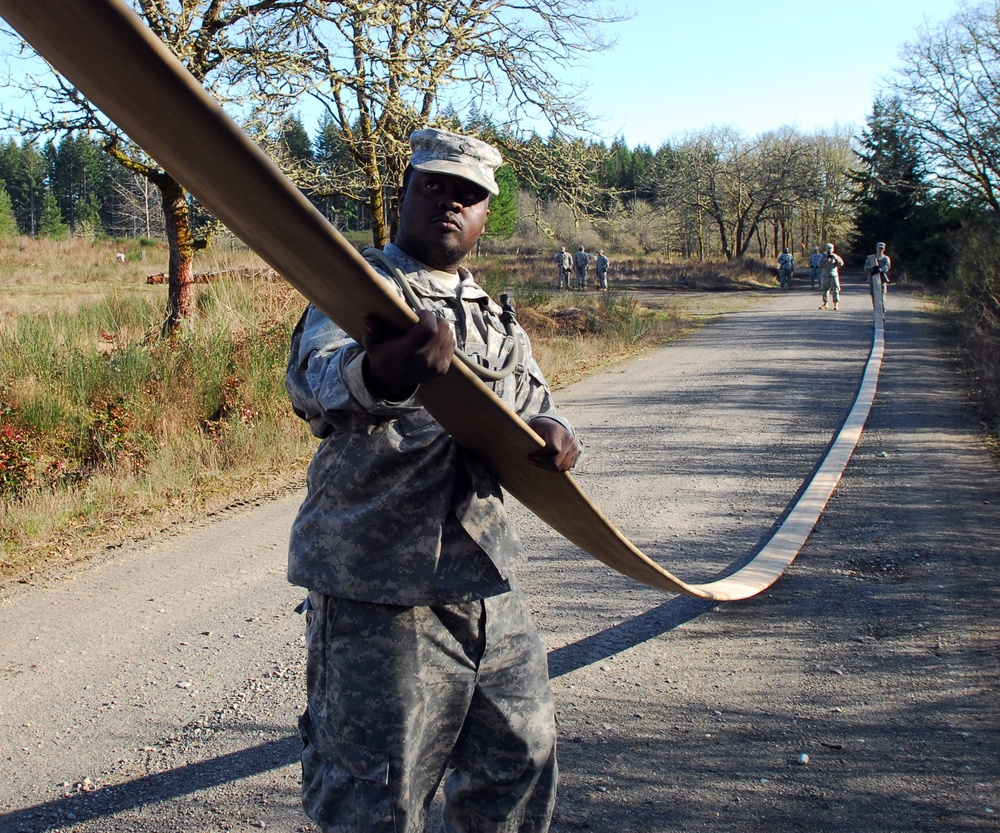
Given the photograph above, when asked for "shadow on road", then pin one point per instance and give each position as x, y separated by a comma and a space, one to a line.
192, 778
628, 634
162, 786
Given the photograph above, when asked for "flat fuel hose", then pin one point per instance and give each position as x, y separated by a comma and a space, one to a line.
109, 54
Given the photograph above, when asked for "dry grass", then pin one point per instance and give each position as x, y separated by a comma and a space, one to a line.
41, 275
211, 426
574, 335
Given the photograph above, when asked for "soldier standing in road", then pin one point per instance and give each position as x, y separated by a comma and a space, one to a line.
564, 265
601, 265
829, 270
877, 268
815, 259
786, 268
422, 657
581, 261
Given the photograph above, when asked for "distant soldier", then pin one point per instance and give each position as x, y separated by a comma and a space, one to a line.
786, 268
877, 266
815, 259
581, 262
601, 265
564, 264
830, 272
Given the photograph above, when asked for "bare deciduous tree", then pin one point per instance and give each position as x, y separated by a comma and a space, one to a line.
137, 209
737, 184
726, 192
382, 69
949, 86
239, 49
824, 208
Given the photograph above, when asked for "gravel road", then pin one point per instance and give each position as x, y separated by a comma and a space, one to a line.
156, 689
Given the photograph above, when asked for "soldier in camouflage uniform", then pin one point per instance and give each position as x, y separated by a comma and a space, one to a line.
815, 261
602, 271
581, 262
786, 269
829, 270
421, 653
564, 263
877, 267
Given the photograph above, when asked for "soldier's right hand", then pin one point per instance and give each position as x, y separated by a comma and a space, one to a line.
398, 362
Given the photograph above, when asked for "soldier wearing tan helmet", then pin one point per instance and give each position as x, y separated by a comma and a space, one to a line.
829, 271
877, 270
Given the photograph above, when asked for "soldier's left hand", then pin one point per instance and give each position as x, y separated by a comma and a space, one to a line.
561, 445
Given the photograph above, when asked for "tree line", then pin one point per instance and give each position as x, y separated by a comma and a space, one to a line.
923, 167
711, 194
72, 187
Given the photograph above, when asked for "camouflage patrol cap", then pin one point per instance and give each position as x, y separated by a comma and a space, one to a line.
442, 152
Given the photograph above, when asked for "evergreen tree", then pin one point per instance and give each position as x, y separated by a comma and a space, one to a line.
51, 222
890, 182
502, 219
78, 173
294, 141
88, 219
8, 222
333, 159
23, 170
612, 176
640, 164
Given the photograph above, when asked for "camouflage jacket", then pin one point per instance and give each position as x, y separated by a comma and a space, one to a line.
883, 264
396, 512
829, 267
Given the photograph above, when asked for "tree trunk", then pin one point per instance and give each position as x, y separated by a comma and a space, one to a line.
380, 228
181, 245
720, 222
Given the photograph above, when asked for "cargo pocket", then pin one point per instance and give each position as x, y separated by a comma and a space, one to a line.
344, 785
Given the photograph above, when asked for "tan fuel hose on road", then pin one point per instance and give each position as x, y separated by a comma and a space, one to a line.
106, 51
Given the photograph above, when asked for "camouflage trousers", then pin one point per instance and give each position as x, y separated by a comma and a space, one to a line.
883, 291
831, 286
398, 696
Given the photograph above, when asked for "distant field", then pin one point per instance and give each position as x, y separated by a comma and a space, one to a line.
40, 275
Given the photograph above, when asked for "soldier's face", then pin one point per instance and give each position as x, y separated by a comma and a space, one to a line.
440, 218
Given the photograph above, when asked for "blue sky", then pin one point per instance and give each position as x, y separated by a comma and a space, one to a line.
687, 65
681, 66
